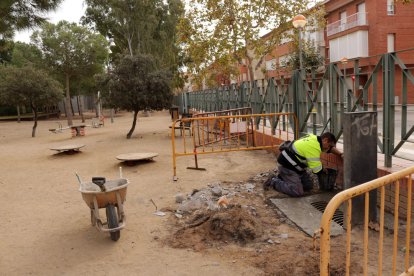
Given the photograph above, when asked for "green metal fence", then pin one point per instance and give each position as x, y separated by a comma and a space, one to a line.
320, 96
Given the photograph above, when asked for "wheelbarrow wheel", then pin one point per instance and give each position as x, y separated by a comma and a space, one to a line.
112, 218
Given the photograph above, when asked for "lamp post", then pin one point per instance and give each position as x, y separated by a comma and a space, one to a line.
299, 22
344, 61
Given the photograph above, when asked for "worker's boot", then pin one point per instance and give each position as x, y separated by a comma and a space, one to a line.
269, 182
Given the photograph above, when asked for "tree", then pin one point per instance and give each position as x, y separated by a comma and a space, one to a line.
24, 54
311, 56
22, 14
29, 86
215, 30
73, 52
140, 27
135, 84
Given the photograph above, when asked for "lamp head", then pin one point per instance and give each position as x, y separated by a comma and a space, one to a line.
299, 21
344, 60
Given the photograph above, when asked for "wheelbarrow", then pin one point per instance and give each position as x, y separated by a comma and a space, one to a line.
111, 194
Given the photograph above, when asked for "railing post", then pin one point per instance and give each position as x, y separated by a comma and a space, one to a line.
388, 108
295, 88
332, 97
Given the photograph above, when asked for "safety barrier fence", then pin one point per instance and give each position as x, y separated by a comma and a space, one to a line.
228, 112
401, 185
219, 134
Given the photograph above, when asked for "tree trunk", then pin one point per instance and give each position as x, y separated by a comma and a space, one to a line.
77, 103
71, 107
95, 100
98, 106
68, 104
35, 121
130, 46
80, 107
134, 122
18, 114
250, 68
112, 115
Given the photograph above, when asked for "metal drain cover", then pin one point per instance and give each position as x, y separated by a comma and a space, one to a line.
306, 215
338, 216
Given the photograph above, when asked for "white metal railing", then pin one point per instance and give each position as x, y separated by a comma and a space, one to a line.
354, 20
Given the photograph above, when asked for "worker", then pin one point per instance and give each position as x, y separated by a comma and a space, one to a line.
292, 178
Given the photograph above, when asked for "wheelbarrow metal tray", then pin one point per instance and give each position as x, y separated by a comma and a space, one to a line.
89, 190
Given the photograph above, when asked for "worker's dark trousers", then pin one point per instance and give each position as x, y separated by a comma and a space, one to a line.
292, 183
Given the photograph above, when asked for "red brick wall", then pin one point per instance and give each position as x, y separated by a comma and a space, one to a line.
390, 195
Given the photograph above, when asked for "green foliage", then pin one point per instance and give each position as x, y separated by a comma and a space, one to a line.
140, 27
135, 84
28, 86
73, 52
71, 49
6, 49
26, 54
17, 15
311, 56
216, 30
22, 14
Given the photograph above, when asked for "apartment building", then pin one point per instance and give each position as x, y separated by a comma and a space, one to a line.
360, 29
366, 28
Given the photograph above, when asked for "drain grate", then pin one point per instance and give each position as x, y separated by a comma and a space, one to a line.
338, 216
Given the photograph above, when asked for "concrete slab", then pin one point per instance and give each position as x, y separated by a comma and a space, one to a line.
304, 215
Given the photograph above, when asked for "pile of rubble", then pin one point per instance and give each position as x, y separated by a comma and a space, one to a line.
217, 213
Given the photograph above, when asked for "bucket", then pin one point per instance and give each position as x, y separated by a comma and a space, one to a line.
327, 180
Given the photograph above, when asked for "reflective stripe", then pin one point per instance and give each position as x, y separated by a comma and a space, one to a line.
291, 161
317, 169
296, 151
313, 159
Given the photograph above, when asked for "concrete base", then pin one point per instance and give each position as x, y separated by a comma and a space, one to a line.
304, 215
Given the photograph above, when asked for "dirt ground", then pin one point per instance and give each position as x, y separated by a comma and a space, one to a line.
47, 229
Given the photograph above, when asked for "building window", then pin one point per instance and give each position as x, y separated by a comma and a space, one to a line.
362, 16
390, 7
284, 60
342, 17
271, 65
390, 43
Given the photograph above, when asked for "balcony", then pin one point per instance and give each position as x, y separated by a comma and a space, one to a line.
354, 20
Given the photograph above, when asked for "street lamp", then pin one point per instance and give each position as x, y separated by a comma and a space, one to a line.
344, 61
299, 22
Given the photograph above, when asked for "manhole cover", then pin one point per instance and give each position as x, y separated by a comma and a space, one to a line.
338, 216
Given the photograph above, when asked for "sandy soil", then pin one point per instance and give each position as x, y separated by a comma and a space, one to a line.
47, 229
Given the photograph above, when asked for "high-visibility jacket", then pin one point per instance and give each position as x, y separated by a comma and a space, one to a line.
302, 153
309, 147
